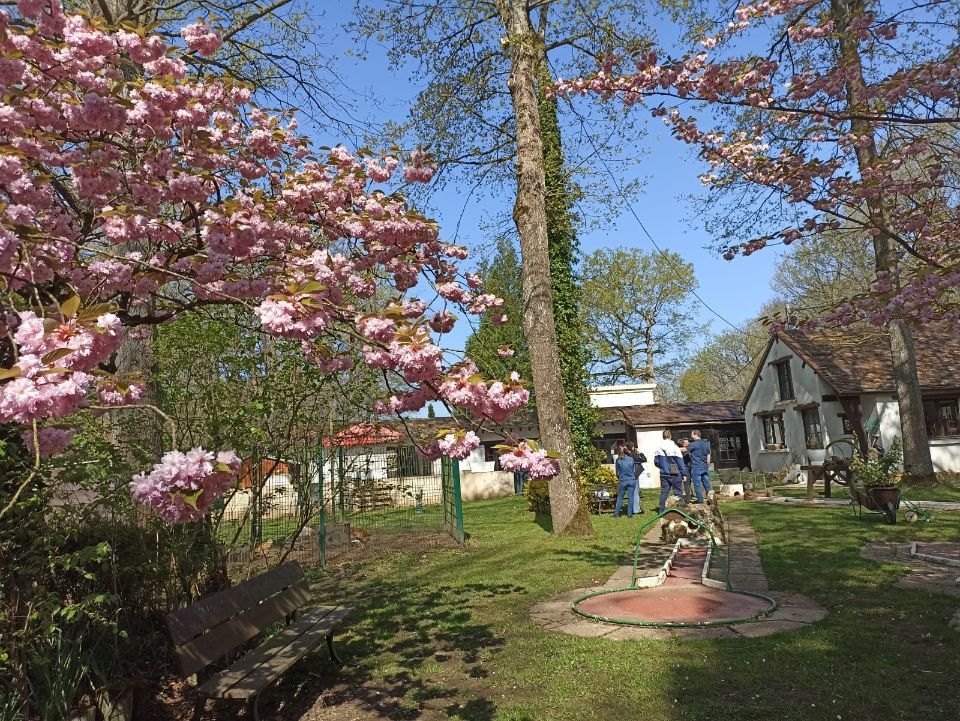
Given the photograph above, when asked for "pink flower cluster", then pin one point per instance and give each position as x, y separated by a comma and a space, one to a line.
201, 38
51, 377
458, 444
224, 202
536, 462
420, 169
494, 401
48, 441
182, 487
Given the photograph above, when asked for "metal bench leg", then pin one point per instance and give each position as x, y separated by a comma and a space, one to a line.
254, 708
333, 654
198, 707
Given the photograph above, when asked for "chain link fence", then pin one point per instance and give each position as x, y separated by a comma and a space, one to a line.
363, 489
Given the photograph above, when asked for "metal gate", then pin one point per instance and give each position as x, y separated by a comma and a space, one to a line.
381, 498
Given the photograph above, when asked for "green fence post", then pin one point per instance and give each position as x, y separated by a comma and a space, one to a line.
342, 481
322, 516
457, 503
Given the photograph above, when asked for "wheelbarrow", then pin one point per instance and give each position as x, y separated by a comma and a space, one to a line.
882, 500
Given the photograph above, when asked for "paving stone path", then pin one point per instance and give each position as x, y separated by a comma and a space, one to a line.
746, 573
923, 576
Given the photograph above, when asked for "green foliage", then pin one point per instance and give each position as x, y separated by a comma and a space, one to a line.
824, 271
637, 312
503, 277
877, 471
83, 564
564, 247
723, 368
537, 493
599, 475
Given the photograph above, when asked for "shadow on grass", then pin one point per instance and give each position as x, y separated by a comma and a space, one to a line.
399, 639
882, 652
544, 521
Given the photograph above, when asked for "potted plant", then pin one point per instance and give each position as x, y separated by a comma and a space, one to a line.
879, 475
816, 453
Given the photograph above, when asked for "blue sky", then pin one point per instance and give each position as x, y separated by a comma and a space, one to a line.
736, 290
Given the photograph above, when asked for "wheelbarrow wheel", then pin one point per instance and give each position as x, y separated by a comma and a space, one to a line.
890, 511
911, 517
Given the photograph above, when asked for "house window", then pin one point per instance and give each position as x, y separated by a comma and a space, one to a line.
407, 463
812, 430
942, 416
847, 425
773, 433
784, 379
729, 445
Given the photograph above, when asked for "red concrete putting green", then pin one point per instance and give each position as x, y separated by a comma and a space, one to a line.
673, 605
680, 601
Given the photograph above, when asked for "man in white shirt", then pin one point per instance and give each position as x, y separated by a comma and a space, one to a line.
669, 460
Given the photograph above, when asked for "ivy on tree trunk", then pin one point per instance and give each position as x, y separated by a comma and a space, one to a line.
564, 248
524, 47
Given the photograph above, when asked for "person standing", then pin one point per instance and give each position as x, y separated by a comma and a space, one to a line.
685, 451
639, 459
700, 465
626, 482
669, 460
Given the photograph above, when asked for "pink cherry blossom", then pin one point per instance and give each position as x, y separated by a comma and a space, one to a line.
201, 38
182, 487
50, 441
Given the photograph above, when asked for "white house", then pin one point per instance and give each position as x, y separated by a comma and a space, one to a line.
629, 413
811, 389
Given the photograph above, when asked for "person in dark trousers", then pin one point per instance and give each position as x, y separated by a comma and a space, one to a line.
669, 460
700, 465
626, 482
520, 478
639, 459
687, 481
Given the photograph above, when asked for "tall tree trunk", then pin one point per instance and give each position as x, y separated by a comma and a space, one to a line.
567, 508
916, 449
564, 248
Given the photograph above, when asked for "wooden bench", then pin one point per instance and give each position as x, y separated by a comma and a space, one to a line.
219, 626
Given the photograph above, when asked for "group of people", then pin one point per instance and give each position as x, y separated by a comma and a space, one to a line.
679, 466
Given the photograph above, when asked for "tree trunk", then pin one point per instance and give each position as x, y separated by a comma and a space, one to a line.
648, 372
916, 450
567, 508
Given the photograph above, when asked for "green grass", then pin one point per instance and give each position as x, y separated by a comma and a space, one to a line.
941, 492
445, 634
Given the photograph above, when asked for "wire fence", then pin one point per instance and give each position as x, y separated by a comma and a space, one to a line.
340, 495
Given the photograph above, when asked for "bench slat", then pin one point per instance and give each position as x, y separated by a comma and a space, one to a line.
190, 622
260, 667
219, 641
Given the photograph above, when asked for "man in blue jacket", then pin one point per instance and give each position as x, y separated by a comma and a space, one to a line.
669, 460
700, 465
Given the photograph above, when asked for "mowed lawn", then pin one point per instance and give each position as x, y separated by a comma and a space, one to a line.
941, 492
444, 634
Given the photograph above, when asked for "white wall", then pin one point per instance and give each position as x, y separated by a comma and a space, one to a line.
945, 452
481, 486
647, 443
638, 394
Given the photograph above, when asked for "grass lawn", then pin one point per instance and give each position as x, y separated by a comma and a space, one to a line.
942, 492
444, 634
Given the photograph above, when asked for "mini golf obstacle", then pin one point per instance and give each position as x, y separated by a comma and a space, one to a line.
681, 594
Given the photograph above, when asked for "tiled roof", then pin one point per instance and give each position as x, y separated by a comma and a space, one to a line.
854, 362
363, 434
677, 414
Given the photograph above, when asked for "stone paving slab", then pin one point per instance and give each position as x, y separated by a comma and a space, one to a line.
746, 572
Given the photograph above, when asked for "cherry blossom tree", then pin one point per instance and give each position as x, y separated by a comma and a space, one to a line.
108, 142
844, 120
